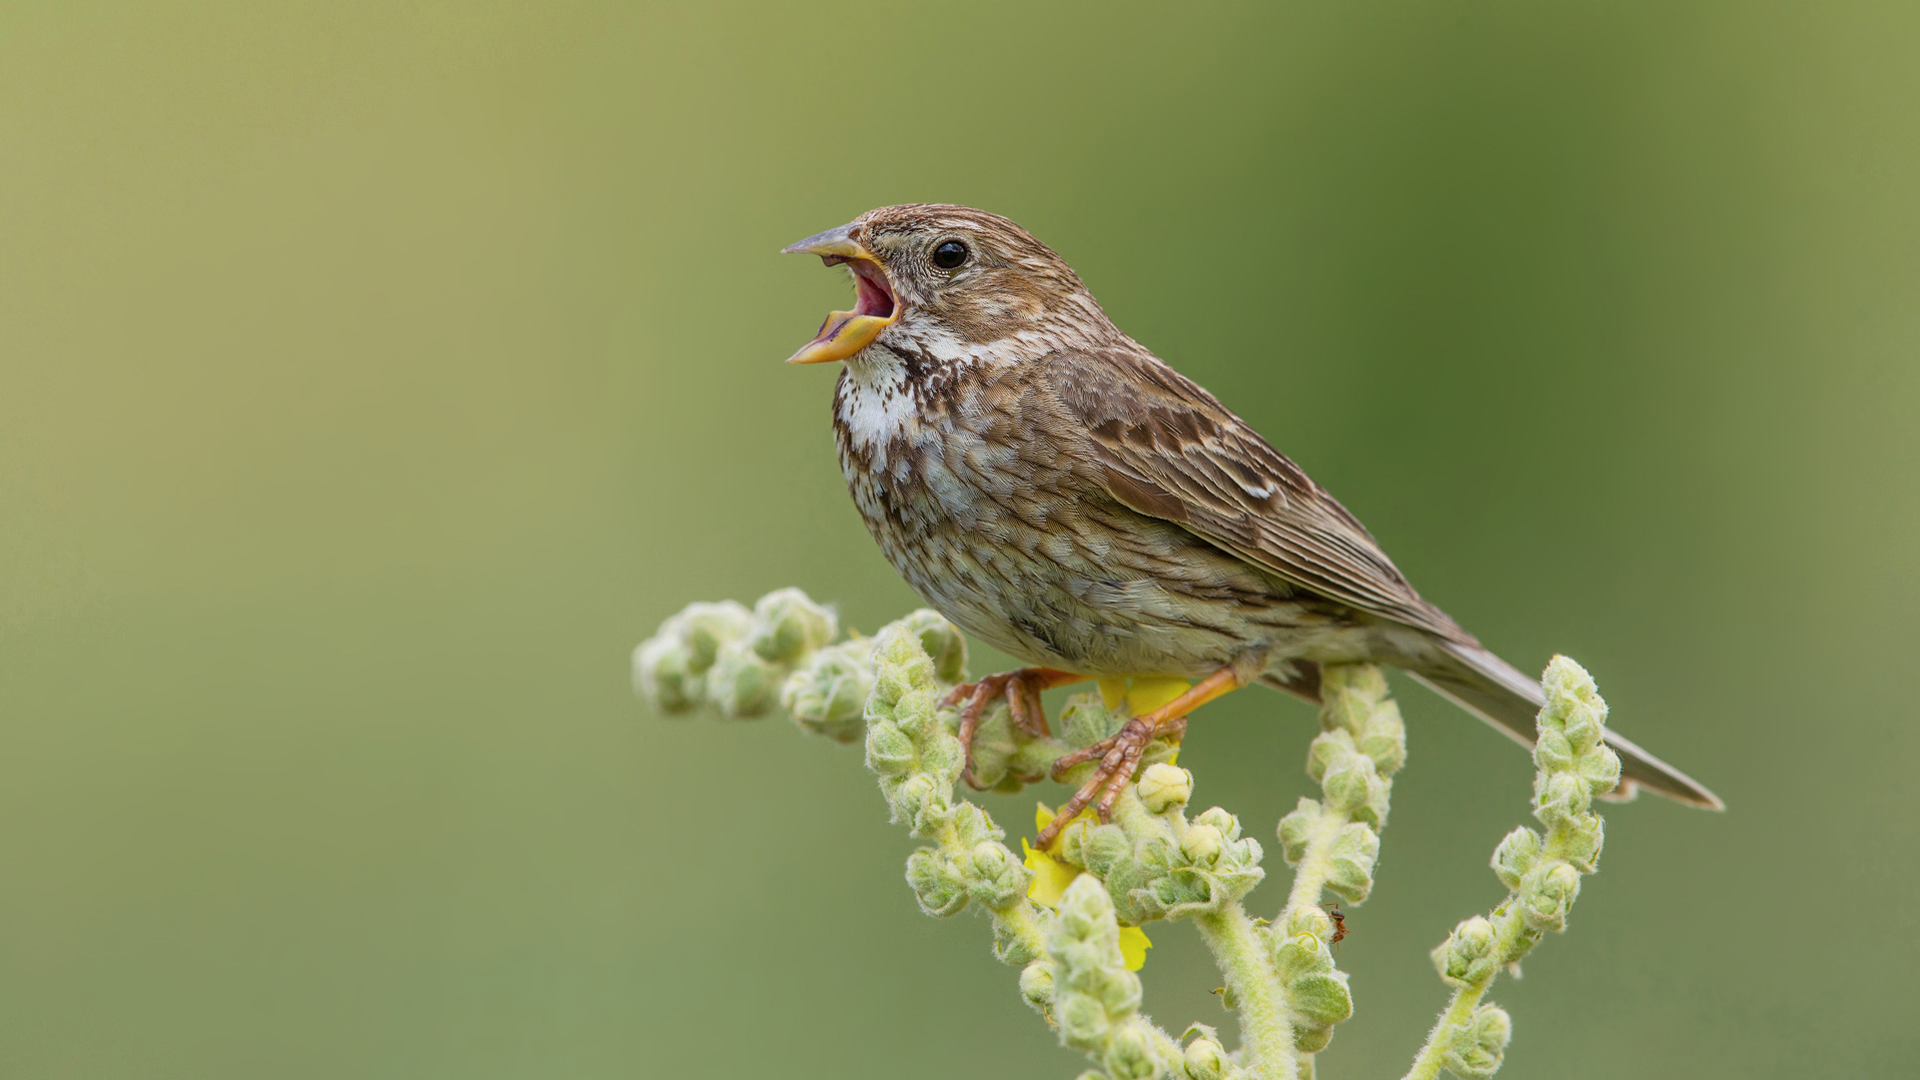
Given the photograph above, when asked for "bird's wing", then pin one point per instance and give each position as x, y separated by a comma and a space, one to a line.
1166, 448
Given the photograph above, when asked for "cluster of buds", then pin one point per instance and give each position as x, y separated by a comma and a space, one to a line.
917, 760
728, 658
740, 663
1084, 983
1542, 871
1361, 745
827, 694
1476, 1045
1155, 862
1317, 993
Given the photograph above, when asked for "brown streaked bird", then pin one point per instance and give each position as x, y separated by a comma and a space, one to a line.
1057, 491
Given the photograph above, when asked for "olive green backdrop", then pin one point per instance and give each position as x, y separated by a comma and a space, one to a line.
374, 376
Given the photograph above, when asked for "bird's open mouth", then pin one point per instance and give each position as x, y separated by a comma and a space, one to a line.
873, 294
875, 306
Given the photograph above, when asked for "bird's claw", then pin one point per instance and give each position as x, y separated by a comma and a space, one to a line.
1022, 690
1119, 755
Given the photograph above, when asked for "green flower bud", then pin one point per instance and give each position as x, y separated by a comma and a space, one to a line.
1546, 893
1349, 784
1163, 787
937, 883
1130, 1055
995, 742
1085, 721
706, 627
1310, 920
1387, 746
663, 677
1349, 694
1228, 825
900, 665
1515, 856
889, 751
1201, 845
1351, 857
1103, 847
940, 755
740, 684
1036, 984
787, 626
1560, 798
1552, 752
1093, 990
1476, 1047
1573, 703
998, 879
828, 694
944, 644
1582, 723
1600, 767
920, 803
1300, 955
889, 682
1465, 958
1083, 1022
1156, 854
1580, 842
971, 825
913, 711
1297, 828
1206, 1059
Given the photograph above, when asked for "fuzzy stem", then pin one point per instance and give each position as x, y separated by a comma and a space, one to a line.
1427, 1063
1242, 955
1310, 878
1021, 924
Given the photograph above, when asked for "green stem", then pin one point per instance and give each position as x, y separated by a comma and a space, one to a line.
1427, 1063
1311, 876
1265, 1032
1022, 925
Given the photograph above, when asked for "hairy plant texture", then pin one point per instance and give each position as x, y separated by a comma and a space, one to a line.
1072, 916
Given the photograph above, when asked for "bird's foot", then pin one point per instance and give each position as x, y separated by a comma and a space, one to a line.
1119, 754
1022, 690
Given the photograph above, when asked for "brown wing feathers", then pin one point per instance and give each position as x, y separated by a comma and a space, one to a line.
1169, 450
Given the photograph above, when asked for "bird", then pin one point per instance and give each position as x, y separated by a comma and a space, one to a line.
1055, 489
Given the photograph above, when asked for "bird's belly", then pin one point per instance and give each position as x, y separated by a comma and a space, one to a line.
1091, 588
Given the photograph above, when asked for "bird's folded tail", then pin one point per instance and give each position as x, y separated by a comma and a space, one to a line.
1491, 689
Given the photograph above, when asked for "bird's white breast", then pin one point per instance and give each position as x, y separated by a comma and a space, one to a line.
877, 404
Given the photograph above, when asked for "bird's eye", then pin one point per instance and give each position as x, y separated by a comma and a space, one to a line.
950, 254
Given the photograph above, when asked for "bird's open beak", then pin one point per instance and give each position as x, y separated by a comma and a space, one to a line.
875, 308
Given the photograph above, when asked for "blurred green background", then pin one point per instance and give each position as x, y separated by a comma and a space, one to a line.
374, 376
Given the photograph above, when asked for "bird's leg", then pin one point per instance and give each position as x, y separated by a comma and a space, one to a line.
1022, 689
1120, 753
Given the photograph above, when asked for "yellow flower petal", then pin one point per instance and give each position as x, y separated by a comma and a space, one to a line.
1042, 813
1133, 947
1113, 691
1050, 876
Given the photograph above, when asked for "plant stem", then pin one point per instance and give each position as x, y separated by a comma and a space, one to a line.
1264, 1028
1311, 876
1427, 1063
1018, 918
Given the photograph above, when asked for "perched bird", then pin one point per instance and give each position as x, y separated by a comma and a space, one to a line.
1053, 488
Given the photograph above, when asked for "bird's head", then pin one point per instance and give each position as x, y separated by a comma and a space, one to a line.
948, 282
